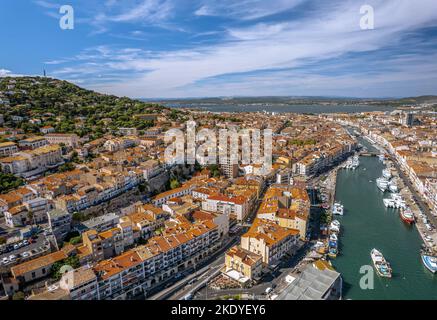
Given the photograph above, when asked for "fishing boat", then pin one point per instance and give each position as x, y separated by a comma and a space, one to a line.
337, 209
430, 262
381, 265
407, 215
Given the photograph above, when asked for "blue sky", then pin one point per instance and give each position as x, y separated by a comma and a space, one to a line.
199, 48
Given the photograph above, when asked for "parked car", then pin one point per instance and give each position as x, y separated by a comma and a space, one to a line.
25, 254
12, 257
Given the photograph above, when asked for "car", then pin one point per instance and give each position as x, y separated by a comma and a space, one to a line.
269, 290
25, 254
25, 243
16, 246
5, 260
188, 297
12, 257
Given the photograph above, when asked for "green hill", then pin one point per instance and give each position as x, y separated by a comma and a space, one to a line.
68, 107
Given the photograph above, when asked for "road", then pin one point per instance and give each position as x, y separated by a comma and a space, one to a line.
207, 267
417, 197
212, 269
275, 279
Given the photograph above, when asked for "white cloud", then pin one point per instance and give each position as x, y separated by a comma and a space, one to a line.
244, 9
331, 31
4, 72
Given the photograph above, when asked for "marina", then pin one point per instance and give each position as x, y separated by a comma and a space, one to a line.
367, 224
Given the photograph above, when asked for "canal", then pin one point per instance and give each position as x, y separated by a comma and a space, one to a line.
367, 224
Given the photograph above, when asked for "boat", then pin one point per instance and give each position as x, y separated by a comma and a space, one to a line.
381, 265
393, 188
389, 203
333, 237
334, 228
332, 252
348, 164
355, 162
386, 173
337, 209
381, 157
399, 202
382, 184
407, 215
335, 223
430, 262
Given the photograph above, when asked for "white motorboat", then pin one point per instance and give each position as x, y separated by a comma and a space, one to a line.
430, 262
393, 188
389, 203
381, 265
337, 209
333, 237
386, 173
382, 184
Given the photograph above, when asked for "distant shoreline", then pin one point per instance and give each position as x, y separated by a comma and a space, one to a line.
283, 108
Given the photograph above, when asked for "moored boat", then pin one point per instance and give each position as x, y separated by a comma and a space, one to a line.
382, 184
430, 262
386, 173
407, 215
337, 209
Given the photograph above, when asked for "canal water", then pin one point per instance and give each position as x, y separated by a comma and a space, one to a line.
368, 224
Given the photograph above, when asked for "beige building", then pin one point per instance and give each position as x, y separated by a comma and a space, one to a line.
71, 140
7, 149
269, 240
242, 265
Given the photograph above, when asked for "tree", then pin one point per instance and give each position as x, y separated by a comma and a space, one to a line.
72, 261
66, 167
2, 240
9, 182
174, 183
78, 216
215, 171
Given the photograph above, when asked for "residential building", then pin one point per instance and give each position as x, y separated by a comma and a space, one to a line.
71, 140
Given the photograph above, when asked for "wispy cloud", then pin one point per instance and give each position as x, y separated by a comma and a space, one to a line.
262, 54
244, 9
